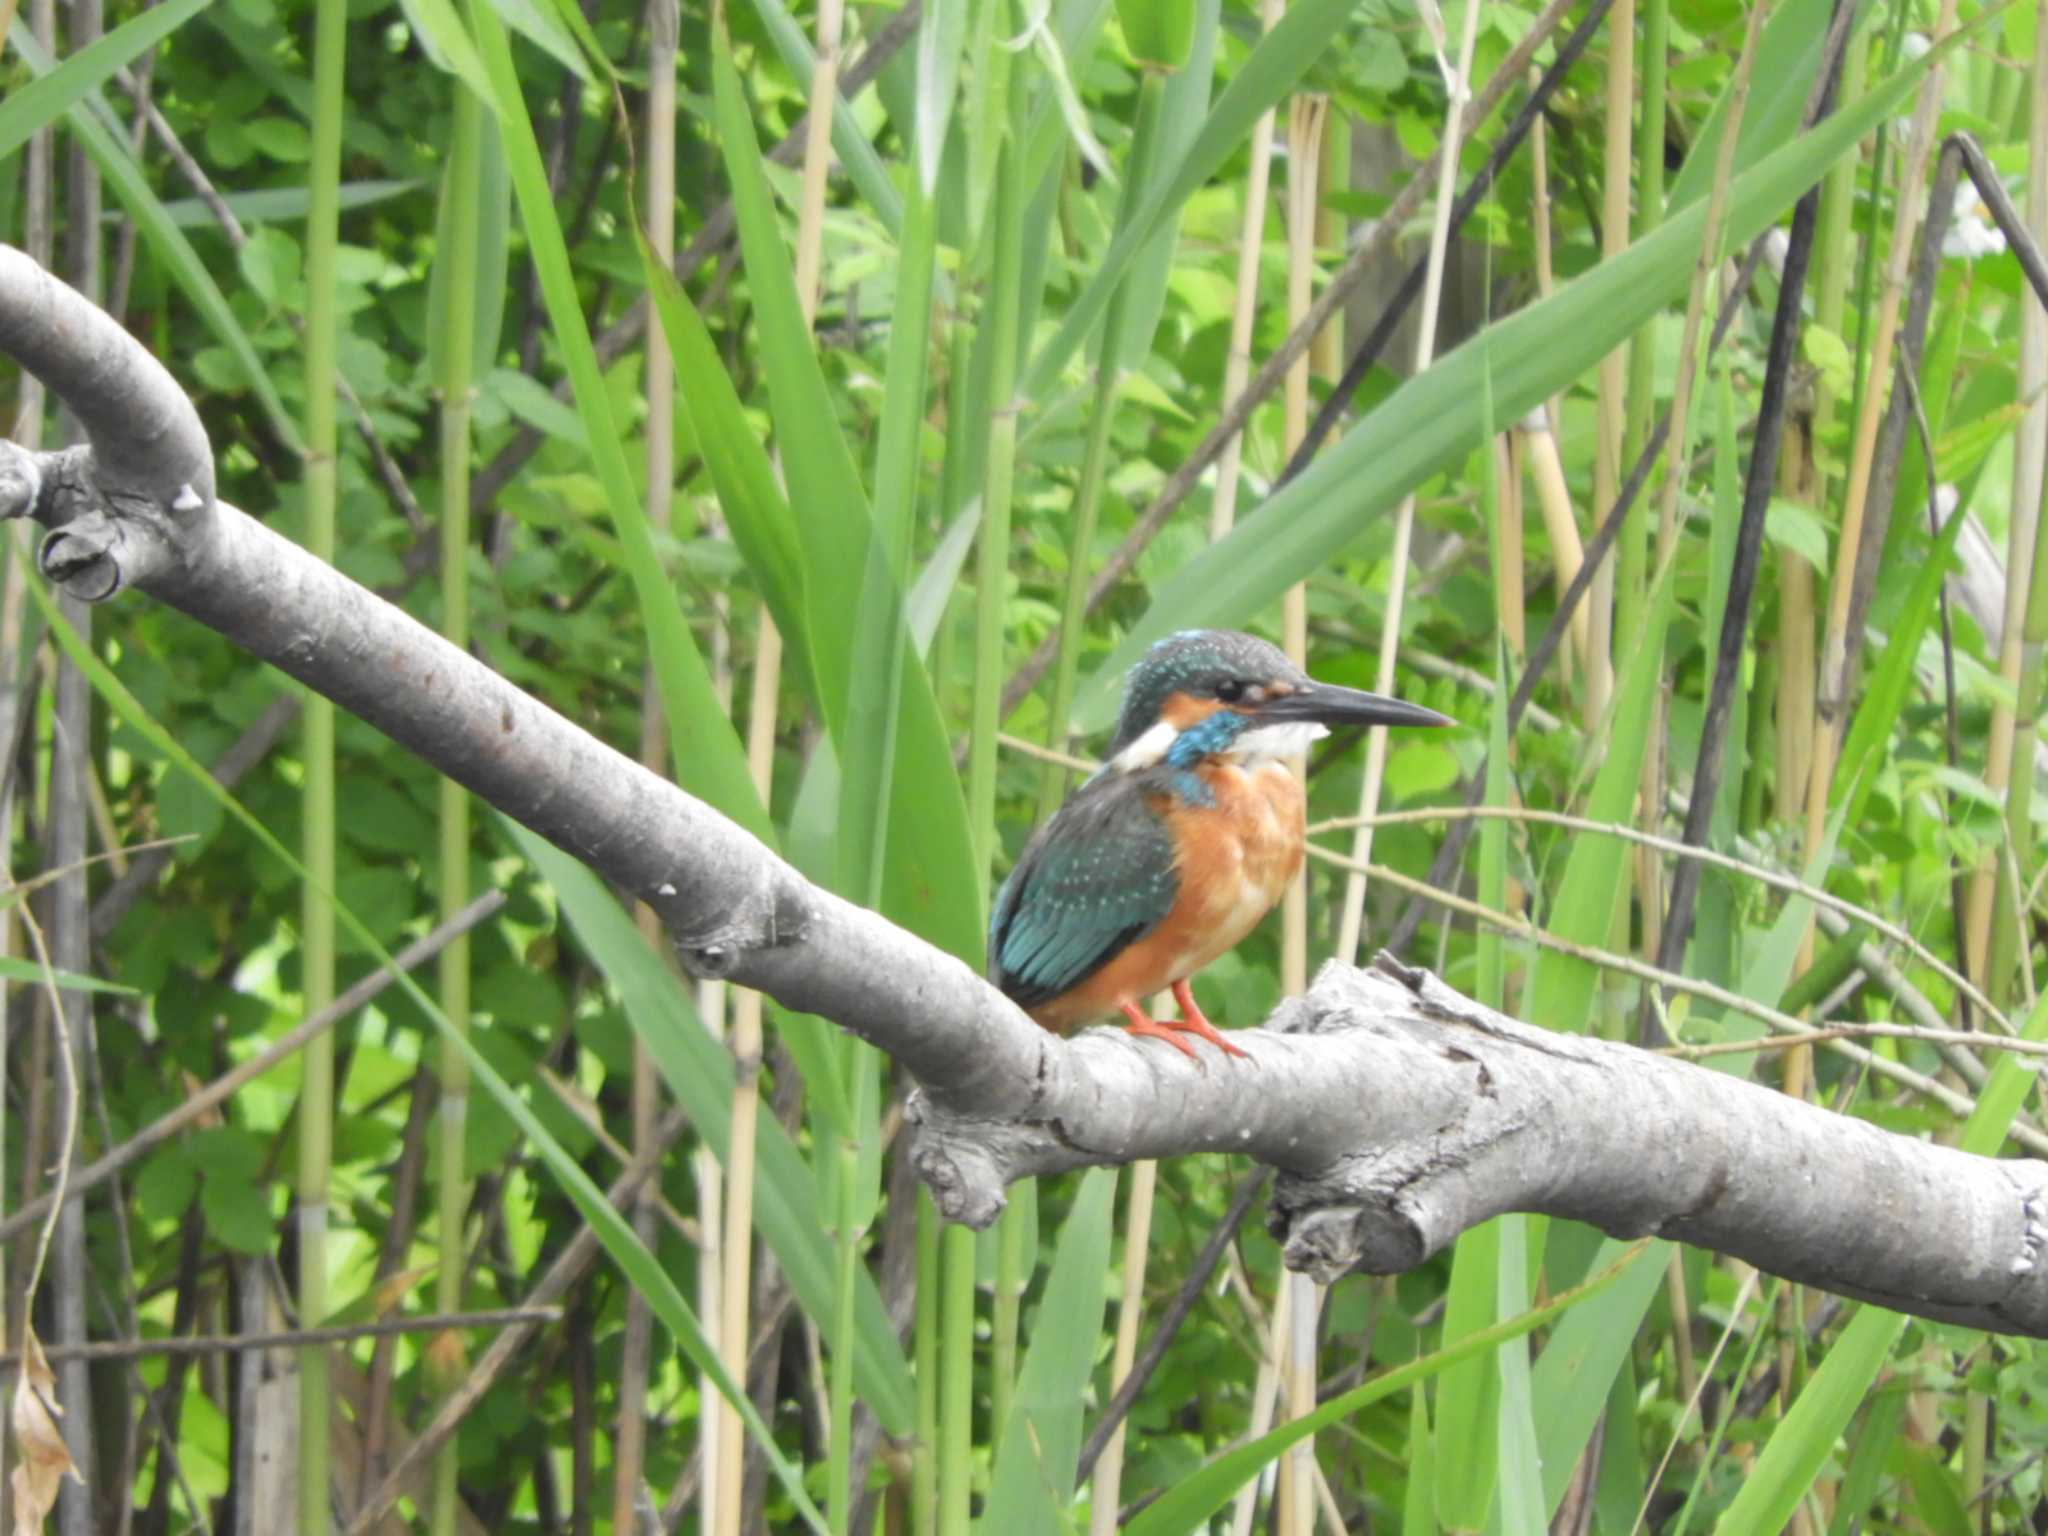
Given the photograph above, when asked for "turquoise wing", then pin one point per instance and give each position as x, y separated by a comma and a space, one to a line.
1097, 877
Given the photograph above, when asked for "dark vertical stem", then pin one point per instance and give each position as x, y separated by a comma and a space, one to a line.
1544, 651
1756, 499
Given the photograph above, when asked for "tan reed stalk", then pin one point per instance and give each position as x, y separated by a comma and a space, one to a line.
1567, 553
1250, 241
1102, 1509
1265, 1396
629, 1447
746, 1028
1351, 923
2030, 450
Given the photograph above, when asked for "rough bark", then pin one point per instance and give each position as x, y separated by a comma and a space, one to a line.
1397, 1112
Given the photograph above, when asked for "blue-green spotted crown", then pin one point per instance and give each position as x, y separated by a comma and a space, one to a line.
1194, 661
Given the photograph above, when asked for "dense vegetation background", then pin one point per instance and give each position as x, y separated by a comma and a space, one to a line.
981, 331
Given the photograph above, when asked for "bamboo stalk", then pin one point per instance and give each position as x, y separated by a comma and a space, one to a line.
458, 348
1304, 156
1296, 1509
1567, 553
316, 1106
1351, 922
1651, 796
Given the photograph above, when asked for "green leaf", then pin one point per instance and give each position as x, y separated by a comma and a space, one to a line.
1519, 1510
445, 41
1034, 1467
1561, 986
1581, 1357
237, 1214
1159, 33
1428, 424
1468, 1397
930, 865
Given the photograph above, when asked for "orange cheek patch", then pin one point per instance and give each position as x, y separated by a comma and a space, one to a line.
1182, 710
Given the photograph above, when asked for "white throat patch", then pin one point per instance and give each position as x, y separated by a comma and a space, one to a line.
1273, 743
1146, 750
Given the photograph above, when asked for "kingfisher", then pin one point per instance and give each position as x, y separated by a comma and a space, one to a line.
1180, 843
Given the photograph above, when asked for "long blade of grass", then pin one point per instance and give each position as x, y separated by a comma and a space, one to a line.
1561, 986
1577, 1368
930, 867
707, 756
1428, 423
1519, 1509
789, 1211
1034, 1466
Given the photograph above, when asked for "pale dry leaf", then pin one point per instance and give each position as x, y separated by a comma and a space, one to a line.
45, 1458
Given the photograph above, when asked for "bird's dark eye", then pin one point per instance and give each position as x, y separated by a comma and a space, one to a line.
1230, 690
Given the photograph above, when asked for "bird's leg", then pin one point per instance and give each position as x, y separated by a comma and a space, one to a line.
1193, 1021
1142, 1023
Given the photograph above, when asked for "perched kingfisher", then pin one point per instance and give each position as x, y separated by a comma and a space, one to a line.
1177, 846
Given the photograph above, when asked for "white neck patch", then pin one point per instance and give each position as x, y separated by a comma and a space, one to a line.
1272, 743
1147, 749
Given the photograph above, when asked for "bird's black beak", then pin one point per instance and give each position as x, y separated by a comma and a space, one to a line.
1328, 704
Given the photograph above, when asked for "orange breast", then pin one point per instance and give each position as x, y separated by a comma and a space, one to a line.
1236, 858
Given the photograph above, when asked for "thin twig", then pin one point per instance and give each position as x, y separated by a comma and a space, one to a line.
235, 1343
1791, 885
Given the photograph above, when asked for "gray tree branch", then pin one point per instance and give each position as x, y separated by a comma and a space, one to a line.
1397, 1112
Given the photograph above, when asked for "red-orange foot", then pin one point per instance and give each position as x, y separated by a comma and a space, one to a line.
1174, 1031
1193, 1021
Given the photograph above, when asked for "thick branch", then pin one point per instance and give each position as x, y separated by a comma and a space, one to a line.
1397, 1112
